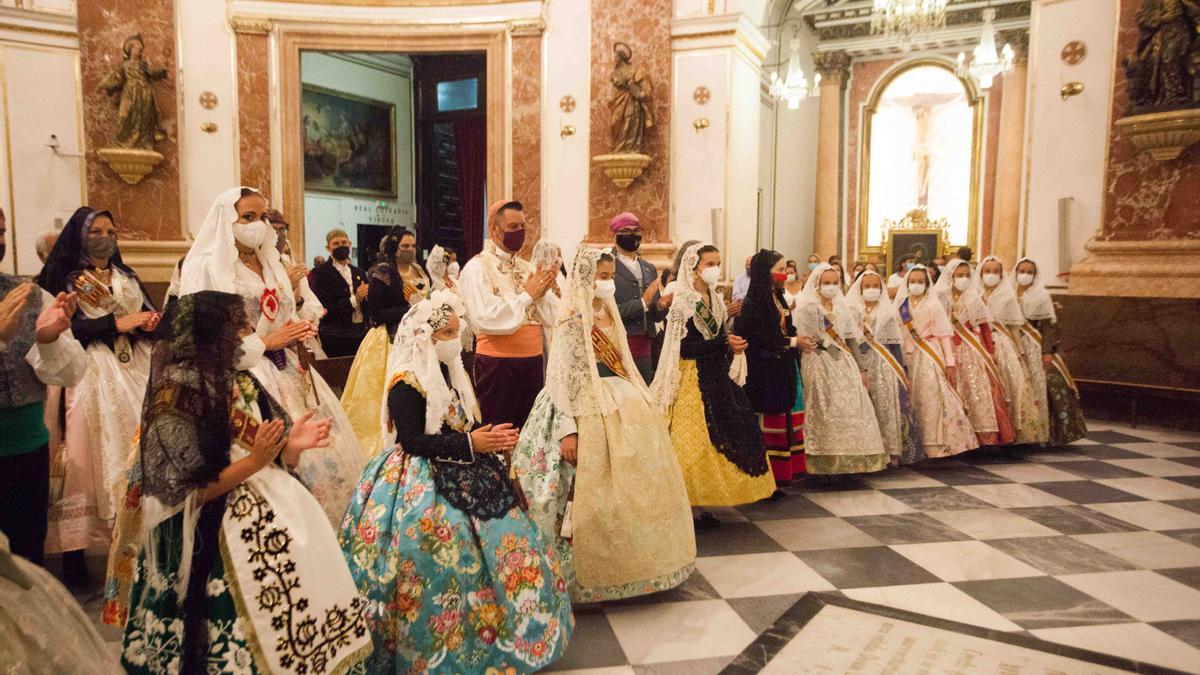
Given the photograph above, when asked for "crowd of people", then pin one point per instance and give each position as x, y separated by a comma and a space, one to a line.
513, 437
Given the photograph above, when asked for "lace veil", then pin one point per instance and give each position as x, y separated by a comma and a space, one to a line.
885, 326
1003, 302
809, 318
973, 309
1036, 303
683, 309
436, 264
929, 318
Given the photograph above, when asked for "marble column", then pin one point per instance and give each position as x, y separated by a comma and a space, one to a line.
834, 68
1006, 217
527, 124
254, 109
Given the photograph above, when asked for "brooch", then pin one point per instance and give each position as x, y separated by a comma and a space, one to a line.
269, 304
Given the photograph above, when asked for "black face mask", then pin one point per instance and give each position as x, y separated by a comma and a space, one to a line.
629, 242
341, 253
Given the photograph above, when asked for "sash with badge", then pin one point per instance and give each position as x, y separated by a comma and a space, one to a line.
1056, 359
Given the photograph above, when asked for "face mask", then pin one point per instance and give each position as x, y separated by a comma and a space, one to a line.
812, 266
447, 350
829, 291
1025, 279
791, 277
606, 289
907, 266
711, 275
101, 248
513, 241
779, 277
341, 253
252, 234
406, 257
871, 294
961, 284
629, 242
453, 269
249, 353
916, 289
991, 280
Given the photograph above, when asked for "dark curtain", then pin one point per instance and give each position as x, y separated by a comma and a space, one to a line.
470, 141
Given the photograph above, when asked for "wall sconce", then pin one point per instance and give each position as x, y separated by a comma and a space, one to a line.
1071, 89
54, 146
567, 130
701, 123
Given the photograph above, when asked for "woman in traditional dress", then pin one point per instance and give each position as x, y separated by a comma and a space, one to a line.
773, 382
714, 429
979, 382
1039, 342
398, 282
238, 571
114, 321
595, 456
792, 285
1028, 419
887, 381
458, 578
932, 371
235, 252
841, 432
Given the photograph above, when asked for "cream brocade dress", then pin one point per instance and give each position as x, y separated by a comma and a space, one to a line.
628, 527
945, 428
1018, 388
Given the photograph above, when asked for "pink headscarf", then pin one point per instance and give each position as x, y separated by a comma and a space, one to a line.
624, 220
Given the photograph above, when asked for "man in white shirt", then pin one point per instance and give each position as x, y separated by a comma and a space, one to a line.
508, 307
342, 289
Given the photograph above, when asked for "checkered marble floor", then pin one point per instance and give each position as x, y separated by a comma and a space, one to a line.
1095, 545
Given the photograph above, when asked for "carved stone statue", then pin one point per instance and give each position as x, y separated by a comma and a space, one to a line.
132, 84
1162, 71
631, 103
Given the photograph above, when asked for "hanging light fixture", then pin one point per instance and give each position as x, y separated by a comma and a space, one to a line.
795, 87
986, 63
907, 18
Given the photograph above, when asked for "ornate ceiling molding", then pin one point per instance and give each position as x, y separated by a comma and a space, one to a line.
846, 24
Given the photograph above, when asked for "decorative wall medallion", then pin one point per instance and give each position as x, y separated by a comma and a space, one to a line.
567, 104
208, 100
1074, 52
702, 95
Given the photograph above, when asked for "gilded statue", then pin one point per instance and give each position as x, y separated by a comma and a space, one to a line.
631, 103
132, 85
1163, 71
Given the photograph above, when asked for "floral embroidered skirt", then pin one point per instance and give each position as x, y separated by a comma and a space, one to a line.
448, 592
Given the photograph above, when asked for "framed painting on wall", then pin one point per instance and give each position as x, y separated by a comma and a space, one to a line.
349, 143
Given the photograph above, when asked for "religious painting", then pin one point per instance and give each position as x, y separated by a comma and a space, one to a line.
921, 131
922, 245
349, 143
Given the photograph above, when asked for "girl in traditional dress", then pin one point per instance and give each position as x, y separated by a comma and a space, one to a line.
114, 321
887, 381
714, 429
595, 456
235, 252
239, 570
929, 355
1028, 419
458, 578
773, 365
841, 432
978, 382
1039, 342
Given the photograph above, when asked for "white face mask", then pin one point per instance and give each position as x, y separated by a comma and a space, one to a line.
711, 275
916, 289
250, 352
1025, 279
606, 289
829, 291
791, 277
872, 294
447, 350
991, 280
962, 283
252, 234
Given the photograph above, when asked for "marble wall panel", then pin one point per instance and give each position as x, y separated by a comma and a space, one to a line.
527, 132
254, 111
151, 209
645, 25
1145, 198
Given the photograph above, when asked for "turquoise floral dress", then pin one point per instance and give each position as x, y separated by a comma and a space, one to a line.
457, 577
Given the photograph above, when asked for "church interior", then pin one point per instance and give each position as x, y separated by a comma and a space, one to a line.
875, 134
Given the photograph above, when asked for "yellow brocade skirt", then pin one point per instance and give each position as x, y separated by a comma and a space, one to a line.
710, 478
362, 399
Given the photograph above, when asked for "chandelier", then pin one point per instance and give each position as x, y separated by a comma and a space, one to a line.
907, 18
986, 63
795, 87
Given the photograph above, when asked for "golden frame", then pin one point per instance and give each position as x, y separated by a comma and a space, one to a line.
975, 99
393, 190
943, 245
294, 39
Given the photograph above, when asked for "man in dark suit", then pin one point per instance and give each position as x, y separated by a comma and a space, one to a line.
638, 297
342, 288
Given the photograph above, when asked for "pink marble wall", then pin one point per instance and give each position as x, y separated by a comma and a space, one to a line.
150, 209
527, 132
1145, 199
645, 25
254, 111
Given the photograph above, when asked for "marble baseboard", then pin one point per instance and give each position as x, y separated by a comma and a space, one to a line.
1144, 269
